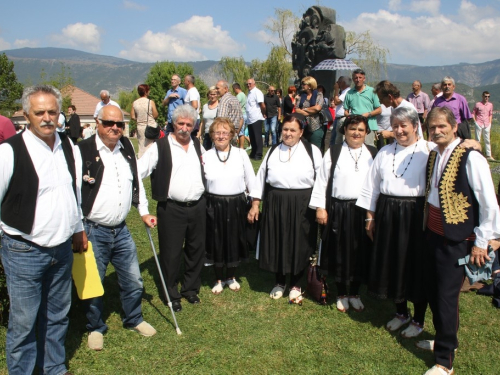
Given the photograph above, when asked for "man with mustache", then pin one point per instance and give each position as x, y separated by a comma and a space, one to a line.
458, 105
175, 164
109, 185
40, 218
462, 217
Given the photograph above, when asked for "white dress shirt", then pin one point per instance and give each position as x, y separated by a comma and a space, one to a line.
381, 178
339, 109
233, 177
289, 168
479, 177
114, 199
57, 214
185, 181
346, 181
101, 104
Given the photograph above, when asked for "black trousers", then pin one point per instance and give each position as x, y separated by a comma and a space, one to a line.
444, 278
178, 225
255, 133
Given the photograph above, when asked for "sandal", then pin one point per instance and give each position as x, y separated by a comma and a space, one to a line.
233, 284
295, 296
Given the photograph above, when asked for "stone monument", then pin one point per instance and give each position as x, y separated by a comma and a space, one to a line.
318, 38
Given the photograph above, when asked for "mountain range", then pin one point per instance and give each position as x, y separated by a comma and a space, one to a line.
93, 72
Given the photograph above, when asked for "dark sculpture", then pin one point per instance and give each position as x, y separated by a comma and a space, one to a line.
318, 38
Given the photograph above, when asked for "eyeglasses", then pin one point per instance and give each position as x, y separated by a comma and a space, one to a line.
111, 123
222, 134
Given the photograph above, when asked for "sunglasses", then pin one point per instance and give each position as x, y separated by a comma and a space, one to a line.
110, 123
486, 96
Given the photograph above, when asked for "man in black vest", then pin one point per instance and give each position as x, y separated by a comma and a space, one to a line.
178, 182
107, 170
459, 193
40, 218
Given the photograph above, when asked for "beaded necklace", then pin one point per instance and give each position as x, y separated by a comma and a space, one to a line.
228, 154
407, 165
356, 169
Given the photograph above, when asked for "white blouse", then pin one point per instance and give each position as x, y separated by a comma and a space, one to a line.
289, 168
381, 178
347, 182
233, 177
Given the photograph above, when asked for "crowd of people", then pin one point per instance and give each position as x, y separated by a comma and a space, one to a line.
394, 210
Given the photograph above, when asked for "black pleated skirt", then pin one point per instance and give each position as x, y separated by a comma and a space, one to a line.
226, 229
396, 268
288, 231
345, 247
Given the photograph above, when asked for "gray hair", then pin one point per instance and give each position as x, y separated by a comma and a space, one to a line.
105, 92
190, 78
448, 79
101, 112
436, 86
184, 111
405, 113
347, 80
225, 84
45, 89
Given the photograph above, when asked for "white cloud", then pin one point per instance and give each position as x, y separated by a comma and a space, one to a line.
394, 5
185, 41
263, 36
20, 43
81, 36
442, 39
4, 44
425, 6
131, 5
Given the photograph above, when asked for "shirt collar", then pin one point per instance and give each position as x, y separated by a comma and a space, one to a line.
57, 142
100, 144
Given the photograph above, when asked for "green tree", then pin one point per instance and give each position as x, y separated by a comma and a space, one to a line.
283, 26
158, 80
367, 53
277, 68
234, 69
10, 90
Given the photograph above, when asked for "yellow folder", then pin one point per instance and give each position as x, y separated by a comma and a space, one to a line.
85, 274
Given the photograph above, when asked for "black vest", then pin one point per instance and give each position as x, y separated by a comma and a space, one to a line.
93, 166
459, 207
160, 178
19, 203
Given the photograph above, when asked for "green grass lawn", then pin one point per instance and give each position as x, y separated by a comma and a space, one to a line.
248, 333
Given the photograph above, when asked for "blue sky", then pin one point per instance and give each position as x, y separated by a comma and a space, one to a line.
418, 32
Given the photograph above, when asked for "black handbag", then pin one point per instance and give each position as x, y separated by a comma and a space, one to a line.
151, 132
325, 114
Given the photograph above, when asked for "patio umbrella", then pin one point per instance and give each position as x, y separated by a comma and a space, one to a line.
336, 64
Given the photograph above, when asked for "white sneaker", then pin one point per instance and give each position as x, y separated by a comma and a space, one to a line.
295, 296
439, 370
145, 329
413, 330
356, 303
425, 345
95, 340
233, 285
343, 303
218, 287
277, 291
397, 322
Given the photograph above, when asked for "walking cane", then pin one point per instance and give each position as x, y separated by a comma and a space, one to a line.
177, 329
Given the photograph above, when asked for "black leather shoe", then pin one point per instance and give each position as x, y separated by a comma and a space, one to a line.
176, 306
193, 299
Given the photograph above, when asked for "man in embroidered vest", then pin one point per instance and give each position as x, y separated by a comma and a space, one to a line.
463, 216
40, 218
109, 183
178, 182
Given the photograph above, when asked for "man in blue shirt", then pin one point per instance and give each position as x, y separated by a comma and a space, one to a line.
174, 98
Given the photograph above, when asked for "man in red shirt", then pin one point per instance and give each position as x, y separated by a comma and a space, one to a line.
483, 114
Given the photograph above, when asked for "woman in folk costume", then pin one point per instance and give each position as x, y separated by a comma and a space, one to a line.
288, 231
